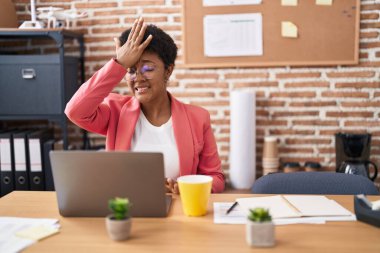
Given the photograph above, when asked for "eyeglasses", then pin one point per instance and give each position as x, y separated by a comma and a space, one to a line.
146, 70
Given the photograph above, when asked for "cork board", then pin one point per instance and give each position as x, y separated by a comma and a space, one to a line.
327, 35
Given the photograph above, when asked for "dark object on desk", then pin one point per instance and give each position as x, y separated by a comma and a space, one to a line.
232, 207
365, 214
314, 183
353, 155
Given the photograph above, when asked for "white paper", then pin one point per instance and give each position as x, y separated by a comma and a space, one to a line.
242, 139
301, 220
277, 206
317, 206
37, 233
313, 220
236, 216
230, 2
299, 206
14, 244
233, 35
351, 217
10, 225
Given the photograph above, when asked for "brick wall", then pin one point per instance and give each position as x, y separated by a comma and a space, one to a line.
303, 107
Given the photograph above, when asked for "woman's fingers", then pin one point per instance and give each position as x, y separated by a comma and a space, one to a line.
117, 43
168, 189
170, 182
176, 190
141, 34
129, 53
137, 30
146, 42
132, 30
171, 186
168, 185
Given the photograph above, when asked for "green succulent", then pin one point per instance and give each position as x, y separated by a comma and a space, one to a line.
259, 215
120, 207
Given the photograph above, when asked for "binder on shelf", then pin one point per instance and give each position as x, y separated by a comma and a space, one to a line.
49, 183
35, 154
7, 163
20, 148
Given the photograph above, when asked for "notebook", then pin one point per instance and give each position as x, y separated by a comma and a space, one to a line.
85, 181
293, 206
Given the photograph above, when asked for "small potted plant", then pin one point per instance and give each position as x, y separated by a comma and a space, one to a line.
260, 228
119, 222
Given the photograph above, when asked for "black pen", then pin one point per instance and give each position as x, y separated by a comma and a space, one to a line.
231, 208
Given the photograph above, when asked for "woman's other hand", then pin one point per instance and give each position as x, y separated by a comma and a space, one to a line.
128, 54
171, 186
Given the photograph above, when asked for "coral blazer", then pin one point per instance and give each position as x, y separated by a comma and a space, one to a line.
94, 108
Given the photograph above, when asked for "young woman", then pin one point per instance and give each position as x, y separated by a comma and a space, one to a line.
151, 119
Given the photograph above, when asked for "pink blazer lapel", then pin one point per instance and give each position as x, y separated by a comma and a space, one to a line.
129, 115
183, 136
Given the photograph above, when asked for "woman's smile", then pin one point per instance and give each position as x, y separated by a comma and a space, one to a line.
141, 89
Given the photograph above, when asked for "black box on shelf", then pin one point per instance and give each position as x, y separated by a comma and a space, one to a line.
35, 84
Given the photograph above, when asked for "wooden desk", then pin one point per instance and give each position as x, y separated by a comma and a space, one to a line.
179, 233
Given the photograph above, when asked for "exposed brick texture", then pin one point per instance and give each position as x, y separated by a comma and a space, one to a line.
303, 106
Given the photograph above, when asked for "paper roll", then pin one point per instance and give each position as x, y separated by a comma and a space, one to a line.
243, 139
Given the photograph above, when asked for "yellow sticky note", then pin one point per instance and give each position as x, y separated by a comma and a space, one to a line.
323, 2
37, 233
289, 2
289, 30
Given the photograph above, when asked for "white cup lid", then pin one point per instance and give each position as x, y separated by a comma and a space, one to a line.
194, 179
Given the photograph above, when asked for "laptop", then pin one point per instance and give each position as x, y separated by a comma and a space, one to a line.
85, 181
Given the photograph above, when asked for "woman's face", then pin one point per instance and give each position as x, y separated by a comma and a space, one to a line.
148, 78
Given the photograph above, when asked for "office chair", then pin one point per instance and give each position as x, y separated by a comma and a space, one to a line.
314, 183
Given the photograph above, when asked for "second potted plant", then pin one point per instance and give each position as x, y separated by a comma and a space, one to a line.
119, 223
260, 228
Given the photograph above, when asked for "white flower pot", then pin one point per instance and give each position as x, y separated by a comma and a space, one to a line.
260, 234
118, 230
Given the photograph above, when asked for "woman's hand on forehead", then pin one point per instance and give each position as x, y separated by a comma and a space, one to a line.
128, 54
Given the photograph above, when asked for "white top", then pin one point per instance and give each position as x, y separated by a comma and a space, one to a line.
149, 138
